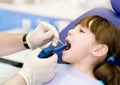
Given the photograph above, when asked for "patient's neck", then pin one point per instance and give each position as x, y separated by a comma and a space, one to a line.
85, 67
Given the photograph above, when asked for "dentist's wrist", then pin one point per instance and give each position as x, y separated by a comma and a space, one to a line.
25, 42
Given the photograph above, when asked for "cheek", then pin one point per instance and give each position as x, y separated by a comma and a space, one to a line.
76, 53
79, 49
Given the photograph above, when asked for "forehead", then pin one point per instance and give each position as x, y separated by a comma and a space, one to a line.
85, 25
86, 22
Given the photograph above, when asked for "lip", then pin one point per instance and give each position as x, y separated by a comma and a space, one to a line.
67, 41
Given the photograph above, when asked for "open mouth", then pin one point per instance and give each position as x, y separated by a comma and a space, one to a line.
68, 45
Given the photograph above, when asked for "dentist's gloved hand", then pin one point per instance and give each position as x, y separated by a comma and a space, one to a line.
43, 34
36, 70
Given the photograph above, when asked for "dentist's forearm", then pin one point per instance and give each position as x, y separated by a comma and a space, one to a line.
16, 80
10, 43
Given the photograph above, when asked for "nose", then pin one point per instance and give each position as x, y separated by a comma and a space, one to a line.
70, 32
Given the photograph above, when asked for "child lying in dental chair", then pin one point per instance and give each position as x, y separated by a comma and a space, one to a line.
94, 45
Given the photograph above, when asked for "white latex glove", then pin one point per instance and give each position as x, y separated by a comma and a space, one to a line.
43, 34
36, 70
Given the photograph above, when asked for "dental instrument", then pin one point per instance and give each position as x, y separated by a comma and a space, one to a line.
49, 51
61, 42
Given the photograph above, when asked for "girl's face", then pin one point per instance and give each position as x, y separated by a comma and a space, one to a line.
81, 42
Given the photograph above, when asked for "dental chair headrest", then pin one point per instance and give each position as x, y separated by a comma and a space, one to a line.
110, 15
116, 6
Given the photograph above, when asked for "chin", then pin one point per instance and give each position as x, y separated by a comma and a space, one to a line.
65, 59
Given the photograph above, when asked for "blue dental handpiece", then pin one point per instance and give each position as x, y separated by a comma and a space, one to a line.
49, 51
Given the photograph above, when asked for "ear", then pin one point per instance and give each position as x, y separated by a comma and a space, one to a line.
100, 50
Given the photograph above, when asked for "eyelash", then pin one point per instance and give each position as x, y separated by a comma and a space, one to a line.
82, 31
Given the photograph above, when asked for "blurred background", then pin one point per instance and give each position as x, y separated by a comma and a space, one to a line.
57, 12
22, 16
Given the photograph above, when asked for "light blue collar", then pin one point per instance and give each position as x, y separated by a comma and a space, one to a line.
101, 82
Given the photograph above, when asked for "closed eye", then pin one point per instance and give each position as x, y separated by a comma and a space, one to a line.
82, 31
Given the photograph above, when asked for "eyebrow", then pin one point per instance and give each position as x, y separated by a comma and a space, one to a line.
83, 27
